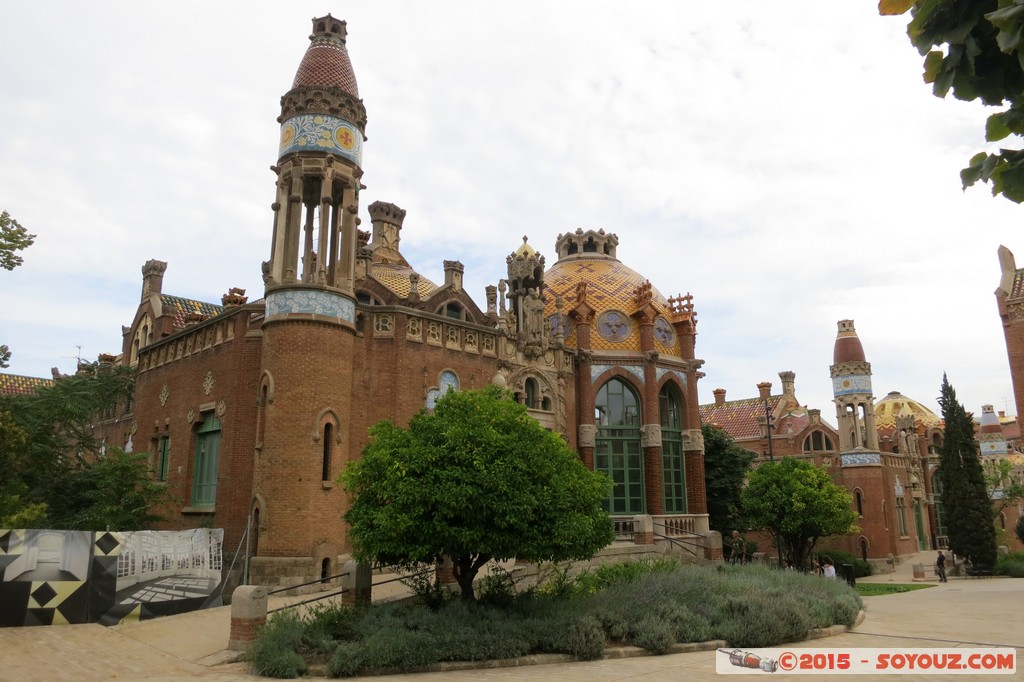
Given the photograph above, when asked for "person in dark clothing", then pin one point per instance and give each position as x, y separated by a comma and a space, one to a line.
940, 566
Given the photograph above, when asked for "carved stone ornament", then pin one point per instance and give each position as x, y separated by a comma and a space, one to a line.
190, 416
1015, 311
165, 393
650, 435
208, 383
587, 435
693, 439
222, 407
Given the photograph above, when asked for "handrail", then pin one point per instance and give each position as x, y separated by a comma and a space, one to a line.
308, 601
311, 582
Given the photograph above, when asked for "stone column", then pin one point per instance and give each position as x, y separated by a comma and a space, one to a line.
248, 614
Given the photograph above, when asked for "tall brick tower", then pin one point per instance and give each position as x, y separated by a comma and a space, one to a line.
851, 386
305, 391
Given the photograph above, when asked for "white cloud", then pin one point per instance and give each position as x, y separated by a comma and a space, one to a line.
786, 166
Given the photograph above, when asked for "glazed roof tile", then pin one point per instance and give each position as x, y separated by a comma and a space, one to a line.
610, 287
14, 384
1017, 290
327, 64
395, 276
178, 308
739, 418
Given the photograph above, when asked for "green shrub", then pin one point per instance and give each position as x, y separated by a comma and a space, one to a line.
1010, 564
652, 633
757, 620
399, 649
584, 638
498, 588
275, 652
347, 660
335, 621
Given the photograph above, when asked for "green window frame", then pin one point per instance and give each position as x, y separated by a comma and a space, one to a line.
164, 464
204, 476
673, 464
617, 450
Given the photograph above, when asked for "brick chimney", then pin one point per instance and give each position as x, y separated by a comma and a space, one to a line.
719, 396
764, 390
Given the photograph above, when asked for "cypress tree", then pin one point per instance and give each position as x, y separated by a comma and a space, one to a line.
964, 495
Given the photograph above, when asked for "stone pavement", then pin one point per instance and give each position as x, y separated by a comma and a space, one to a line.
963, 612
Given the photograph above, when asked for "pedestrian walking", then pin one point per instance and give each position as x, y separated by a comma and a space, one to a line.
940, 566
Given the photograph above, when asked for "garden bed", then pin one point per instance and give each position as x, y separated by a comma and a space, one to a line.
649, 607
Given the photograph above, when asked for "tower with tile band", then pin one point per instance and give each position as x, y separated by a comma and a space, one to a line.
306, 372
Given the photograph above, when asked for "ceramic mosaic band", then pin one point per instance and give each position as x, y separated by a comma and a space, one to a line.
307, 302
320, 133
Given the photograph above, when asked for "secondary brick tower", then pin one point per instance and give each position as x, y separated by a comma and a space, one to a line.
303, 435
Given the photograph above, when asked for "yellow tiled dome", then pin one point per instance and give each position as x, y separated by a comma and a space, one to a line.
610, 291
895, 404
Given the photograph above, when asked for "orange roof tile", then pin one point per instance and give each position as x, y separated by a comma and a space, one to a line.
13, 384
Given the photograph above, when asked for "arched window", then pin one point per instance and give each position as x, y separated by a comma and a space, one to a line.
859, 500
328, 442
531, 393
452, 310
817, 442
617, 449
863, 548
673, 469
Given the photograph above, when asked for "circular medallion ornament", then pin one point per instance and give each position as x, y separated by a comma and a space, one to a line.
614, 326
664, 332
558, 321
190, 416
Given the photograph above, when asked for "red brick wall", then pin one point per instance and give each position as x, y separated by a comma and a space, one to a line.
233, 363
311, 365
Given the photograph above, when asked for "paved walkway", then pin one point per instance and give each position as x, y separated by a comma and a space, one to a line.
962, 612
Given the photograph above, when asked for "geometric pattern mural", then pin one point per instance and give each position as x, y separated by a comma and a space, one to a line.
57, 577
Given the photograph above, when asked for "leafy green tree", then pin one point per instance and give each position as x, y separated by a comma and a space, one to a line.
725, 468
974, 48
115, 491
965, 499
1004, 487
477, 479
57, 473
797, 503
13, 238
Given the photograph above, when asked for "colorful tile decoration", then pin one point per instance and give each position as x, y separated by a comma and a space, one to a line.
13, 384
179, 308
321, 133
310, 302
610, 287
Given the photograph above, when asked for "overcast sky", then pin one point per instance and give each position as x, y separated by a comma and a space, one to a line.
782, 161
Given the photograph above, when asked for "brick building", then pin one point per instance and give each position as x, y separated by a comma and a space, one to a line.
251, 409
885, 454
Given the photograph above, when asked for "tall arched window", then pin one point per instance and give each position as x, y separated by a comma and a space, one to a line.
328, 441
617, 450
531, 393
673, 470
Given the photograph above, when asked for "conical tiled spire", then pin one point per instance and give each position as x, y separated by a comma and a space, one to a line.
326, 63
848, 347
